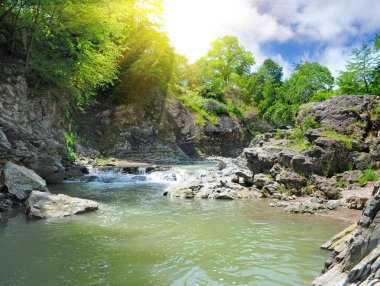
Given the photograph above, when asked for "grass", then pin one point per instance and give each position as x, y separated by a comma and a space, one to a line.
208, 109
369, 175
341, 138
298, 142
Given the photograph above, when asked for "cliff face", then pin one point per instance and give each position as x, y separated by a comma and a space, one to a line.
30, 130
356, 252
159, 129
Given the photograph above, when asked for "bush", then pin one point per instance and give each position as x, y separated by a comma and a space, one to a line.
70, 142
368, 175
308, 123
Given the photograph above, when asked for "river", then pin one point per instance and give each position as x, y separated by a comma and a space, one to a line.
139, 237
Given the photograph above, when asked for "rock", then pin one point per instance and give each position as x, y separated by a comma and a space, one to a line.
333, 204
323, 186
222, 165
355, 260
247, 177
235, 179
260, 180
42, 205
357, 203
291, 180
262, 159
20, 181
276, 169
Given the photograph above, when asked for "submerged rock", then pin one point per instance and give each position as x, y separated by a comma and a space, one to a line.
20, 181
42, 205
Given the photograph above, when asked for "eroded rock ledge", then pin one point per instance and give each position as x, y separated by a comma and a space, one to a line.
356, 252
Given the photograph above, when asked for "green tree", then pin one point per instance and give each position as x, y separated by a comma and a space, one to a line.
228, 59
307, 80
361, 76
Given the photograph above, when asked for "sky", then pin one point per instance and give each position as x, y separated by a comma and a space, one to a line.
288, 31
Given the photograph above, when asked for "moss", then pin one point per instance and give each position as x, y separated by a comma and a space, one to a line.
375, 112
341, 138
104, 161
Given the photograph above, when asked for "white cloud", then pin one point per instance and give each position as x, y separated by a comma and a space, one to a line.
334, 58
334, 25
193, 24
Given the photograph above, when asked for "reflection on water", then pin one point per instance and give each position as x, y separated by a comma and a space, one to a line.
139, 237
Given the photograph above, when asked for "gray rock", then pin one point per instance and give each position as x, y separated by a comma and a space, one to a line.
333, 204
20, 181
260, 180
355, 260
246, 175
291, 180
42, 205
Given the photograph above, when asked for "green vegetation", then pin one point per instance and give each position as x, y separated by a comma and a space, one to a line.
70, 142
342, 183
341, 138
104, 161
80, 51
375, 112
74, 49
363, 71
368, 175
298, 142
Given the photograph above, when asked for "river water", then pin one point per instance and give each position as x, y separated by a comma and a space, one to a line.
139, 237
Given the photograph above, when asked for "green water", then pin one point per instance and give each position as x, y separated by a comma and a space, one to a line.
138, 237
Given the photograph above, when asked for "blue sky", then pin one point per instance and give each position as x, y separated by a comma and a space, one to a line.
287, 31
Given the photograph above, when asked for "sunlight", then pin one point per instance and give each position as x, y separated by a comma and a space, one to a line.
193, 24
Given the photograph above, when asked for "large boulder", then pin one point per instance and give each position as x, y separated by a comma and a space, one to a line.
20, 181
42, 205
291, 180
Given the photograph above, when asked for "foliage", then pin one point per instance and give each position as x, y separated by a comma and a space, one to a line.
308, 123
368, 175
298, 141
227, 59
279, 102
363, 71
70, 142
74, 48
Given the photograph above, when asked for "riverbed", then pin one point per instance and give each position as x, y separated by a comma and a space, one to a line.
140, 237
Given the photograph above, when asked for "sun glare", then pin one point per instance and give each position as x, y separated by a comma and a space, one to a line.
193, 24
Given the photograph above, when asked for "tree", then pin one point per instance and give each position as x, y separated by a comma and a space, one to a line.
262, 83
307, 80
273, 69
227, 58
361, 75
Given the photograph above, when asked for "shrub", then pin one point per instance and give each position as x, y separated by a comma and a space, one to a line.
308, 123
368, 175
70, 142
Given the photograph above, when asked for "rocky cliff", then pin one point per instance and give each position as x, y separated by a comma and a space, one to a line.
356, 252
31, 133
160, 129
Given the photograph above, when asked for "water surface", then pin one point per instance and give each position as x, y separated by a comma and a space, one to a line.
139, 237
